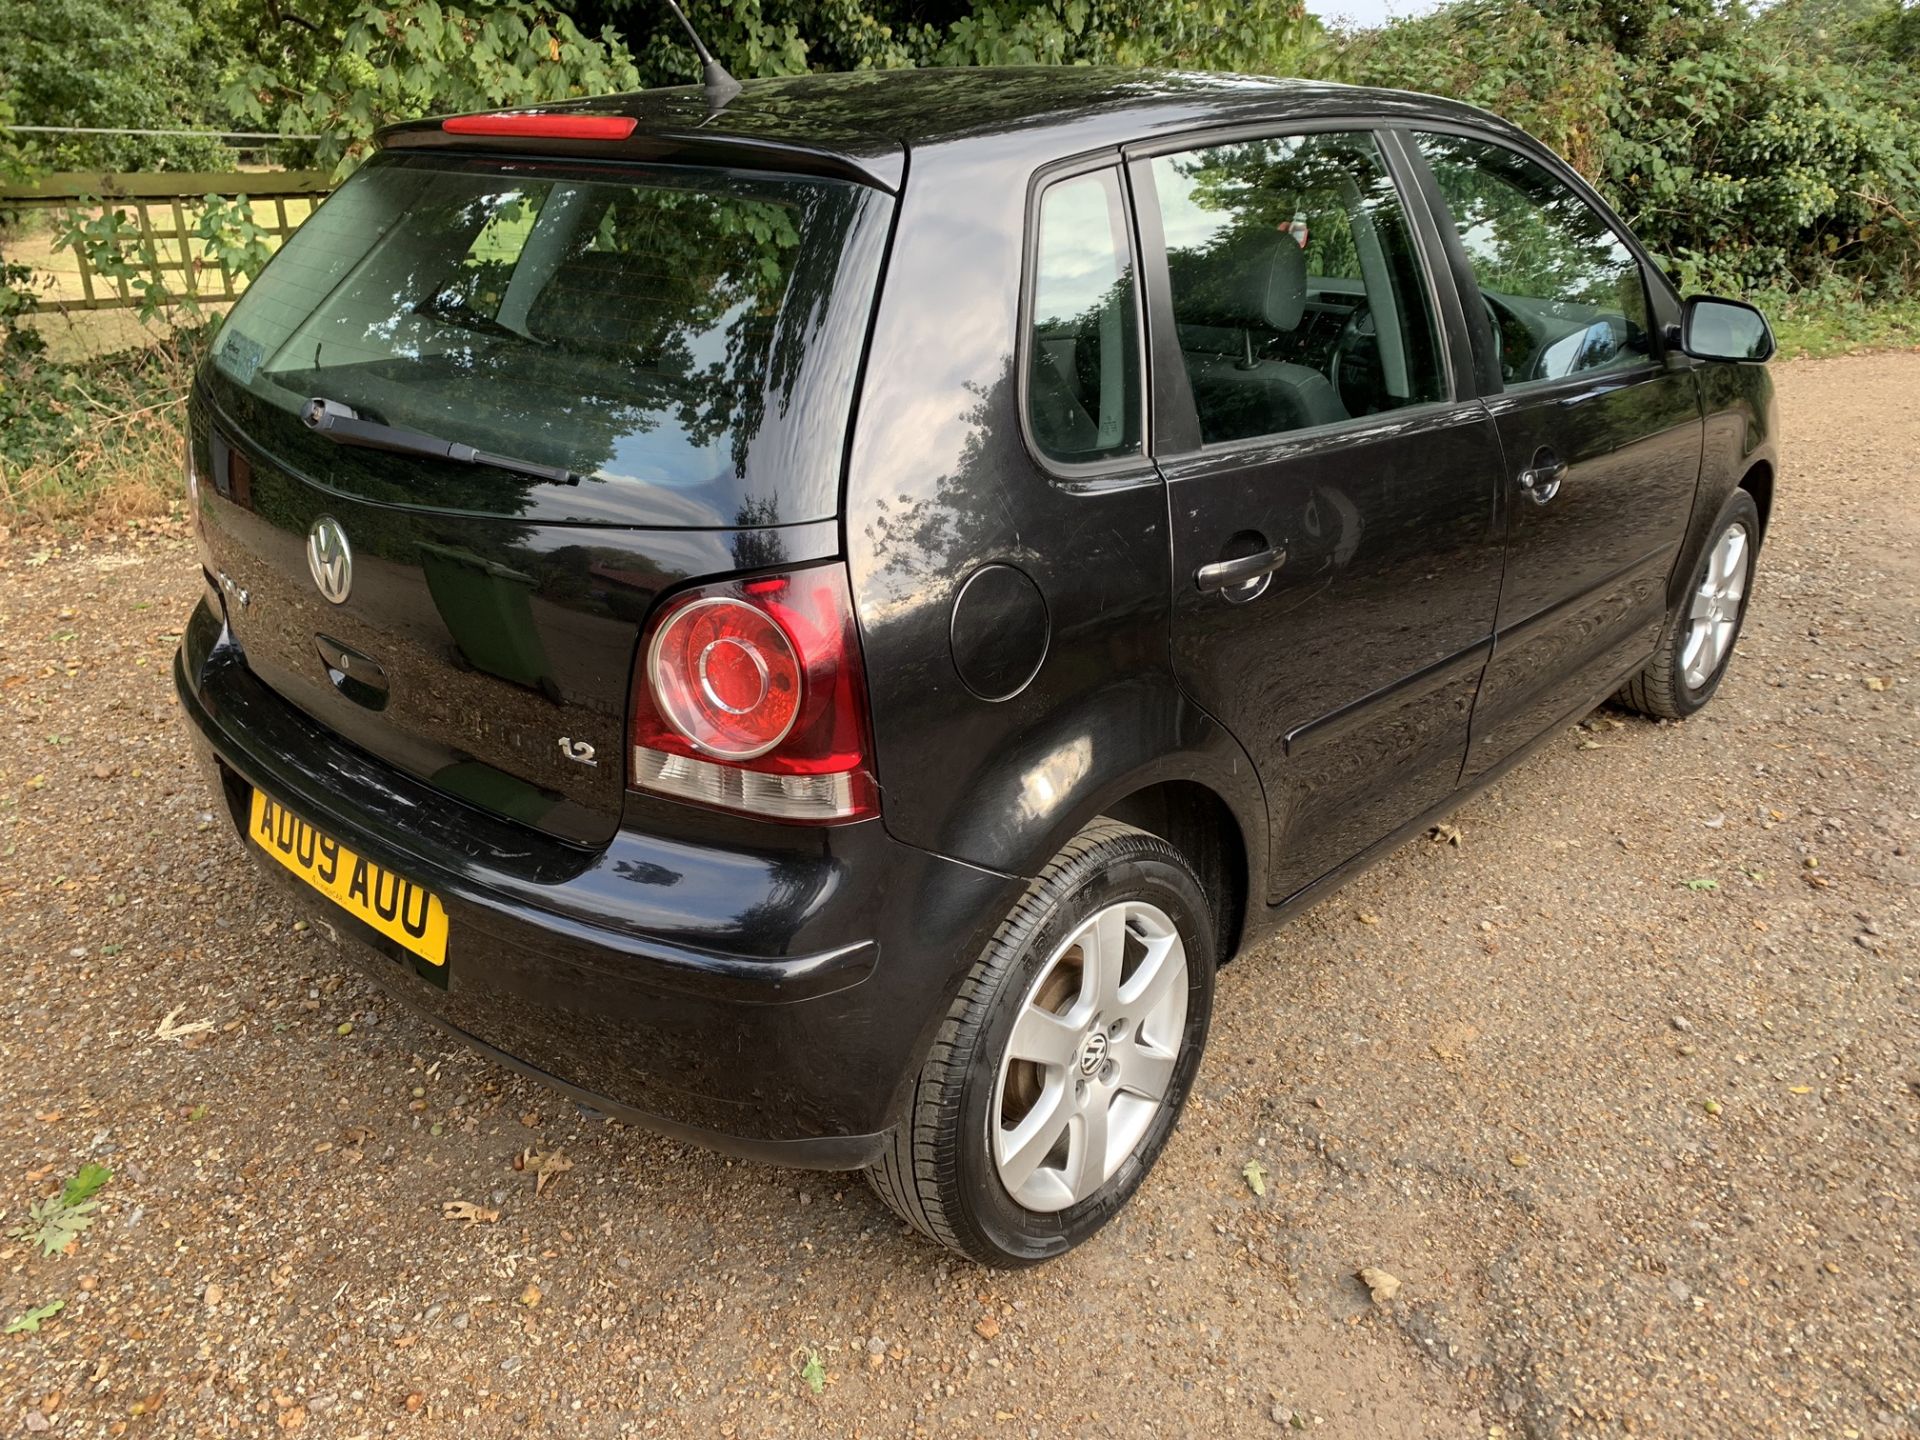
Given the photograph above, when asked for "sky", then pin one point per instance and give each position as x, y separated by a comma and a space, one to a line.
1369, 12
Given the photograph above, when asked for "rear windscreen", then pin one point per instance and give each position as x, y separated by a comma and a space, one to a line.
685, 341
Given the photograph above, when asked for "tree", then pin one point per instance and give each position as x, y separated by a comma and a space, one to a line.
361, 65
81, 63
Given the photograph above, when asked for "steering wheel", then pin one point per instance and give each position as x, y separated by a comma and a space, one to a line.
1359, 323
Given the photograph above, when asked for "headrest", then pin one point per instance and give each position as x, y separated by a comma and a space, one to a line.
583, 307
1256, 280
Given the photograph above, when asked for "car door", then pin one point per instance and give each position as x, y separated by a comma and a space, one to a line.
1332, 483
1600, 434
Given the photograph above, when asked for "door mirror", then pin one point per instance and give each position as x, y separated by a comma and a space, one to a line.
1713, 329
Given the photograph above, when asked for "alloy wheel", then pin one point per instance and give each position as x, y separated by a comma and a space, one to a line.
1090, 1057
1714, 615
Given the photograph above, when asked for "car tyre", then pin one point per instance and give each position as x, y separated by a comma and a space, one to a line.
1703, 627
1025, 1133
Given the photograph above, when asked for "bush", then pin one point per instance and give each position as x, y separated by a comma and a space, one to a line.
1747, 166
82, 63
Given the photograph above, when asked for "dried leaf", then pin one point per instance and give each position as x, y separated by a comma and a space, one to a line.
1256, 1174
1445, 835
1380, 1284
468, 1211
544, 1164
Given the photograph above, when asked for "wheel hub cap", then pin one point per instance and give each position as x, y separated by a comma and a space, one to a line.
1093, 1053
1091, 1056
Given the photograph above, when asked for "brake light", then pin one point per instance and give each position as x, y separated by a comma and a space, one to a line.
750, 696
547, 127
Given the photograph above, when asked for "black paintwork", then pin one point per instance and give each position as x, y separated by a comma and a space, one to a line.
774, 988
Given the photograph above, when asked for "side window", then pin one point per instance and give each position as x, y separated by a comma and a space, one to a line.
1296, 287
1083, 351
1563, 291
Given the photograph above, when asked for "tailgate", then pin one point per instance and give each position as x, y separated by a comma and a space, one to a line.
669, 355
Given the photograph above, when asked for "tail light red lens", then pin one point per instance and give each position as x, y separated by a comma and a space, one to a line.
545, 127
750, 696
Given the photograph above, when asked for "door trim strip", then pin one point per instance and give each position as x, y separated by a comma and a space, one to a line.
1352, 716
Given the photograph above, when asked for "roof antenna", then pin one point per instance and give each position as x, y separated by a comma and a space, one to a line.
720, 86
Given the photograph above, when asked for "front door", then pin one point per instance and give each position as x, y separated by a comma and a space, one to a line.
1601, 439
1334, 496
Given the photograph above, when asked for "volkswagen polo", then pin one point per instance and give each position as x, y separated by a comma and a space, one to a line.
815, 619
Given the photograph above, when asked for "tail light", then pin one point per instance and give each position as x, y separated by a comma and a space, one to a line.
544, 127
750, 696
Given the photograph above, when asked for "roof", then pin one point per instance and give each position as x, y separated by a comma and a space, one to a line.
864, 124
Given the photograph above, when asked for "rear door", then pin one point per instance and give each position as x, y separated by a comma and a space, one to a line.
1333, 484
673, 349
1600, 436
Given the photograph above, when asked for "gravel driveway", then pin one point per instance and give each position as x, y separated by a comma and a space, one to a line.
1622, 1085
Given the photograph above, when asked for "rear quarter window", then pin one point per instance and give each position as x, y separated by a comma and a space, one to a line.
1083, 345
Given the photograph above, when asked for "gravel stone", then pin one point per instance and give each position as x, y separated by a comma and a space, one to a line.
1653, 1270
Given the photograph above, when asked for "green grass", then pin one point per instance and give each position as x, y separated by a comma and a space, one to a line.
1811, 324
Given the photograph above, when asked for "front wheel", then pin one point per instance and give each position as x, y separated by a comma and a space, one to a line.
1063, 1062
1701, 630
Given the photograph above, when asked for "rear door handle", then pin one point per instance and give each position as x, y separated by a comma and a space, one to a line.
1541, 480
1244, 570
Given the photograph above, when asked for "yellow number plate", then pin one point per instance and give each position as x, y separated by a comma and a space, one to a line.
397, 908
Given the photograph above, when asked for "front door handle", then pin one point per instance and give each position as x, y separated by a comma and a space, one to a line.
1240, 572
1541, 480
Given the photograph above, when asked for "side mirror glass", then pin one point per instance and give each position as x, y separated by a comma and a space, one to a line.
1713, 329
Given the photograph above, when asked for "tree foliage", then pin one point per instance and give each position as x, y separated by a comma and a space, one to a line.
369, 65
1750, 152
81, 63
1753, 148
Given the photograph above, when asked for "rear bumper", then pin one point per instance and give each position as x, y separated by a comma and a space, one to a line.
772, 1002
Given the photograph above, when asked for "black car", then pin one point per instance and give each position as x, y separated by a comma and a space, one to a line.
815, 620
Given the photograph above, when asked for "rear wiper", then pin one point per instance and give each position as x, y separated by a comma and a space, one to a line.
342, 425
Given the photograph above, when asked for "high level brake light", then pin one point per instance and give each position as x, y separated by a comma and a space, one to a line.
546, 127
750, 696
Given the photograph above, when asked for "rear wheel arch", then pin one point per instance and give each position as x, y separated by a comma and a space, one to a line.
1198, 822
1758, 482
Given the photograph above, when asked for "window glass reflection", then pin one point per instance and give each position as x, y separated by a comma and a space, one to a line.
1083, 392
1562, 290
1296, 288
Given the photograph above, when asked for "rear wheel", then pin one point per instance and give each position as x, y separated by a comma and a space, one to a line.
1063, 1062
1701, 631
